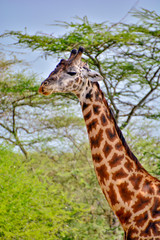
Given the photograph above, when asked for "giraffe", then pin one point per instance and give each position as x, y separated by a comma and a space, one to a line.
132, 193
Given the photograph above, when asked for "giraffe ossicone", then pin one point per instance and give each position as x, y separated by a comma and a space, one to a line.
132, 193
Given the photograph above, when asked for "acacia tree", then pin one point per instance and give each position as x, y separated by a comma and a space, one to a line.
126, 55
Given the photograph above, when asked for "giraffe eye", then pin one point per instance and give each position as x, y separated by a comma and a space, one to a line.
71, 73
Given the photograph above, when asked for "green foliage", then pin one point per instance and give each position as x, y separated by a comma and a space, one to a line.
147, 149
46, 199
31, 206
20, 83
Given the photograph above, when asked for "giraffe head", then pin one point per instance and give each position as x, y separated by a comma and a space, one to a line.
69, 75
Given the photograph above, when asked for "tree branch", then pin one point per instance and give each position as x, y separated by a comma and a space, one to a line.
135, 108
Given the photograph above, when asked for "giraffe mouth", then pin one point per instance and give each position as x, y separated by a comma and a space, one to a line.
44, 92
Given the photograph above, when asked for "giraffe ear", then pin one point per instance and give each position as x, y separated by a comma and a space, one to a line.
94, 76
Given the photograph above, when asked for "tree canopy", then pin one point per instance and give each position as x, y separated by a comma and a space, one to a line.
126, 55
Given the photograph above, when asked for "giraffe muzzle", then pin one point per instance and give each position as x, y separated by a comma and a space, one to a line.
43, 91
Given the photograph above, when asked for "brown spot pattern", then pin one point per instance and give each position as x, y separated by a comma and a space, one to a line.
124, 216
124, 192
89, 95
77, 79
119, 174
108, 114
158, 189
88, 115
112, 194
107, 149
119, 146
85, 105
129, 165
131, 233
96, 109
111, 134
116, 160
97, 96
103, 119
102, 173
148, 187
141, 219
141, 202
96, 141
97, 157
135, 180
92, 125
153, 228
155, 210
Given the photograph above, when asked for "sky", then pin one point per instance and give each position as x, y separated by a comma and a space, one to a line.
37, 15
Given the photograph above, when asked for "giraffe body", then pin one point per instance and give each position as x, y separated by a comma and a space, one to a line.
132, 193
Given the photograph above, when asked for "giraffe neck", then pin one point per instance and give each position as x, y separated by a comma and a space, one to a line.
118, 171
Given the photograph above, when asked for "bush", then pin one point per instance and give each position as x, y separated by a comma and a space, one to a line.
32, 207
